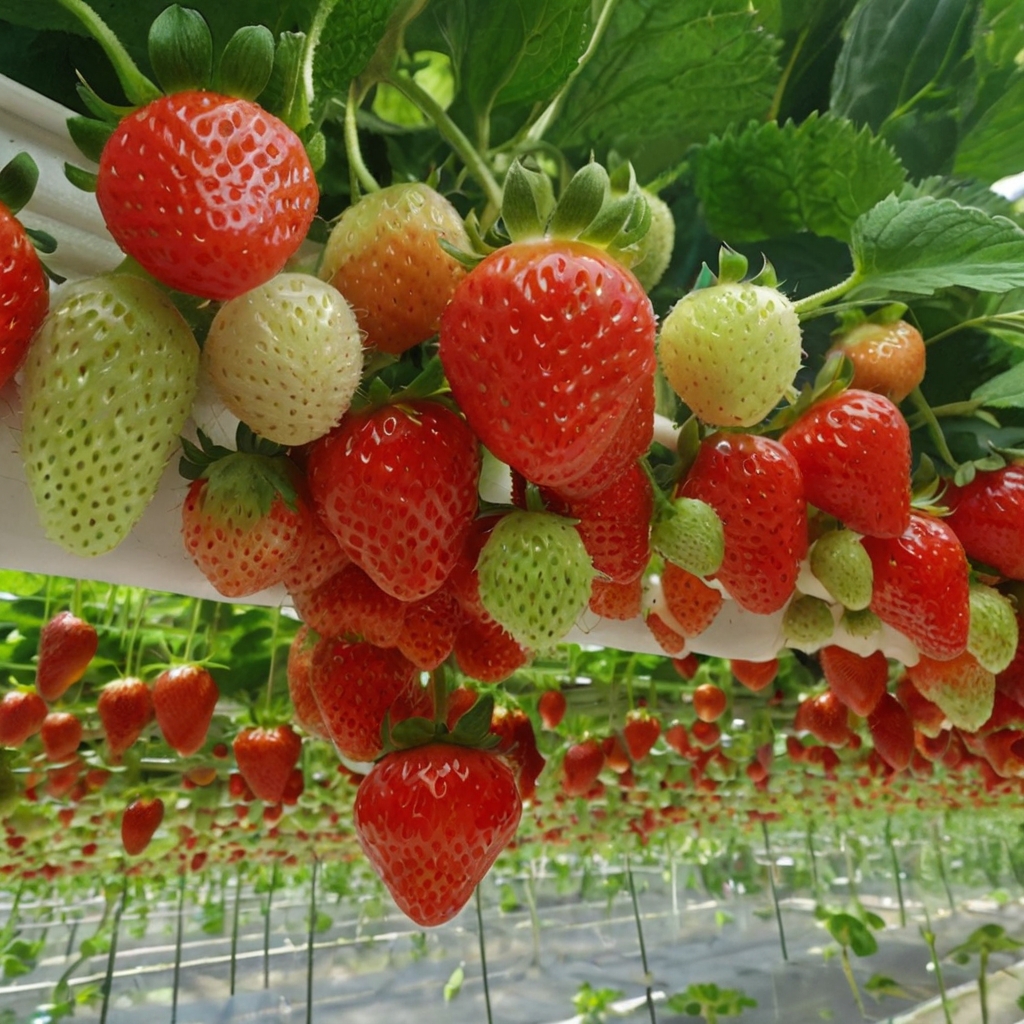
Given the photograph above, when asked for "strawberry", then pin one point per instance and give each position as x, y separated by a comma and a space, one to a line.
962, 688
709, 702
921, 586
233, 181
125, 708
265, 759
928, 718
857, 681
887, 358
245, 520
184, 699
619, 601
669, 640
464, 581
535, 576
321, 559
892, 732
754, 675
688, 533
616, 756
485, 651
432, 820
286, 358
807, 621
22, 714
24, 298
652, 254
351, 603
397, 485
988, 517
994, 635
517, 744
581, 766
61, 733
546, 345
66, 646
853, 450
686, 667
755, 487
640, 731
356, 685
691, 602
706, 735
109, 382
551, 708
825, 717
384, 256
731, 351
304, 705
841, 565
139, 822
429, 629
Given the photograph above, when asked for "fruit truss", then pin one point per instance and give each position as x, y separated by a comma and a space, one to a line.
470, 357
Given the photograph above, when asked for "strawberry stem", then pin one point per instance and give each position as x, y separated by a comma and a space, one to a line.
309, 945
826, 295
640, 937
359, 173
108, 979
934, 429
266, 928
197, 606
273, 659
176, 984
234, 926
483, 955
775, 894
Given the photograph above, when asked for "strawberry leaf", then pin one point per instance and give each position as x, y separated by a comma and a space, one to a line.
18, 180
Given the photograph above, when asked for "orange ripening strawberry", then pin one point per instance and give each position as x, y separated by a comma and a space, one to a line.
921, 586
232, 180
22, 714
581, 766
384, 255
432, 820
825, 718
853, 450
988, 517
397, 485
887, 358
892, 732
125, 708
709, 702
618, 601
61, 733
66, 646
551, 708
754, 675
139, 822
755, 486
669, 640
857, 681
691, 602
300, 661
265, 759
184, 699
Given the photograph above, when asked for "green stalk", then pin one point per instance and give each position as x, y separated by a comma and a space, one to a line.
813, 861
309, 947
273, 656
177, 950
775, 895
108, 979
234, 925
640, 936
531, 902
360, 173
934, 430
899, 884
983, 985
266, 930
929, 937
197, 607
942, 872
826, 295
851, 980
483, 956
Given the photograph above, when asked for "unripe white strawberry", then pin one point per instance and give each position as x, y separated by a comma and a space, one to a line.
731, 351
286, 358
842, 566
993, 635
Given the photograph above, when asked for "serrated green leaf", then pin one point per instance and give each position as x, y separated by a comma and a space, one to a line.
349, 36
994, 146
769, 180
965, 192
924, 245
1005, 391
668, 74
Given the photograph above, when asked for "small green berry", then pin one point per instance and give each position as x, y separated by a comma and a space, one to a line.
688, 533
993, 632
808, 620
842, 566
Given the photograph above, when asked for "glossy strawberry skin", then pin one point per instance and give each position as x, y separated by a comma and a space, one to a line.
21, 715
988, 517
921, 586
857, 681
892, 732
641, 731
397, 485
581, 766
546, 345
551, 707
300, 663
265, 759
139, 822
429, 629
432, 820
24, 298
691, 602
209, 193
125, 707
853, 450
755, 486
66, 646
184, 700
61, 734
486, 652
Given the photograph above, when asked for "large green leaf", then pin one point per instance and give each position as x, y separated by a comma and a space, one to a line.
769, 180
924, 245
347, 42
1005, 391
994, 146
667, 74
852, 933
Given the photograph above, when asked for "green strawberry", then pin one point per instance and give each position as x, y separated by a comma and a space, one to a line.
993, 632
807, 620
731, 351
688, 533
535, 576
863, 622
109, 382
286, 358
842, 566
649, 258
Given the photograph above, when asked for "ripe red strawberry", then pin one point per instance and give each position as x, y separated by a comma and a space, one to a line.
892, 732
139, 822
464, 580
853, 450
960, 686
927, 717
304, 705
921, 586
988, 517
616, 756
691, 602
517, 744
321, 559
429, 629
709, 702
397, 485
686, 667
234, 181
754, 675
755, 486
61, 733
706, 734
184, 699
618, 601
857, 681
551, 708
125, 708
581, 766
546, 345
484, 651
640, 731
356, 685
825, 718
887, 358
21, 715
668, 639
351, 603
66, 646
384, 256
432, 820
265, 759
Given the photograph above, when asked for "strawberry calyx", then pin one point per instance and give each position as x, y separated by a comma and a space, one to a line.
18, 180
834, 377
473, 729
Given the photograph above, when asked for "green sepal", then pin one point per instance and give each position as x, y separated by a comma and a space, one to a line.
85, 180
100, 108
250, 443
705, 279
610, 220
18, 180
412, 732
834, 377
181, 49
247, 485
90, 136
247, 62
527, 201
285, 93
687, 446
473, 729
468, 259
732, 265
430, 381
766, 276
43, 241
582, 200
316, 150
637, 224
